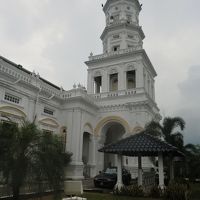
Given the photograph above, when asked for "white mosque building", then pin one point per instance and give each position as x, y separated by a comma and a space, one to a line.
119, 99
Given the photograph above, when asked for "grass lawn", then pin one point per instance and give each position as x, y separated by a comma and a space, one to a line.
103, 196
98, 196
95, 196
195, 191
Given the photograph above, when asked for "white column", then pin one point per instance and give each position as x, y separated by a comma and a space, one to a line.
171, 169
92, 155
123, 41
153, 90
75, 169
109, 48
140, 171
139, 76
121, 79
161, 170
119, 183
90, 83
105, 82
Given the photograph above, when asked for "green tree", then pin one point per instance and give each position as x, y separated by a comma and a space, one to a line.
192, 153
28, 154
168, 130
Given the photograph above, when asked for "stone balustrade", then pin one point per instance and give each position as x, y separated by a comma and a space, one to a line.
75, 93
80, 91
115, 53
118, 93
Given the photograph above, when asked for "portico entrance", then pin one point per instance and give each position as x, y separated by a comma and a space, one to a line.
112, 132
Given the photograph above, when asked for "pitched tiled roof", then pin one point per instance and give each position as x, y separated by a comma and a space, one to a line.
141, 144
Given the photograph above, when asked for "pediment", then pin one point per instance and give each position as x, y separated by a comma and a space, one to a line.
49, 122
12, 111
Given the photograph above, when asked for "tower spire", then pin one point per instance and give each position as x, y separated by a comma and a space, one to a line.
122, 29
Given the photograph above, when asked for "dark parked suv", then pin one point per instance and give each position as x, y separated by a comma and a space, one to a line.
108, 178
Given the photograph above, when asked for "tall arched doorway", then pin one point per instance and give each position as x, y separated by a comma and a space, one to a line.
86, 154
111, 132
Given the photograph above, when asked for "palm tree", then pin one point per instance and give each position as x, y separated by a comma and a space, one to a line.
168, 130
29, 154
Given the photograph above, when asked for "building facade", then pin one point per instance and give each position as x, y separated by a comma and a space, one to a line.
119, 100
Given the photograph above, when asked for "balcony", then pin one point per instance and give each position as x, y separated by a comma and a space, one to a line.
114, 53
119, 93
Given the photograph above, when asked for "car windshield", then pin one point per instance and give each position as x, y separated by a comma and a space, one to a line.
110, 171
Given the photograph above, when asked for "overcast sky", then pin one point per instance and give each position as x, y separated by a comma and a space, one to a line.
55, 37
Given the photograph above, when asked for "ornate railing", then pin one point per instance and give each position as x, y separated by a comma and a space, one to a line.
148, 180
115, 53
119, 93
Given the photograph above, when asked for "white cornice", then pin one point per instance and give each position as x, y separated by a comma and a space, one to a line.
122, 26
131, 106
119, 55
83, 100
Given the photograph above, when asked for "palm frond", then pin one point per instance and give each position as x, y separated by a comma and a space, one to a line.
154, 128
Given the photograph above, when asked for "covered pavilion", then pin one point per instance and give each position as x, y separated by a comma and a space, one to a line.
143, 145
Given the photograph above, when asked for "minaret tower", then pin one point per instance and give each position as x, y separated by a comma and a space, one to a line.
122, 29
123, 69
121, 81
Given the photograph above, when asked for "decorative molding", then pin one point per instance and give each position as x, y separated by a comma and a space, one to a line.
131, 66
113, 71
12, 111
113, 108
118, 54
114, 1
49, 122
109, 119
88, 128
97, 73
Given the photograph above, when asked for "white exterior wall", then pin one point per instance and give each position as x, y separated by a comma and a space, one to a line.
82, 111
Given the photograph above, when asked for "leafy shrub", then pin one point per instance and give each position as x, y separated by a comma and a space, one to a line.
177, 191
182, 181
155, 192
120, 191
136, 191
133, 190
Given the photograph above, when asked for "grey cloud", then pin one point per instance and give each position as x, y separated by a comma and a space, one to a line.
17, 22
56, 37
190, 105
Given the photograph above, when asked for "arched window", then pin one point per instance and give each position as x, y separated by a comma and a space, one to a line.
97, 84
131, 79
114, 82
